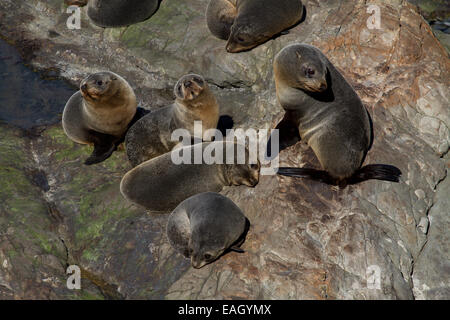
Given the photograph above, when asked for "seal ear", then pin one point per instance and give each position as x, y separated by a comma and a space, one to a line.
299, 56
237, 249
113, 78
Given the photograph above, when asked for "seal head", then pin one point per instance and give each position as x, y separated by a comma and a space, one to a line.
99, 87
311, 69
243, 38
244, 174
189, 87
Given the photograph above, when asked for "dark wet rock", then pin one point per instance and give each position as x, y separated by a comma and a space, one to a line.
307, 240
28, 98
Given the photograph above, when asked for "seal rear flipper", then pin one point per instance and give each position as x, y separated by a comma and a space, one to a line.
383, 172
104, 146
374, 171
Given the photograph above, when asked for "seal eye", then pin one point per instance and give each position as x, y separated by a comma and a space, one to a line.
99, 82
240, 39
310, 72
207, 256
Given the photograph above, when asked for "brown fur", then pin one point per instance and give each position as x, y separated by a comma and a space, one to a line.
107, 111
151, 136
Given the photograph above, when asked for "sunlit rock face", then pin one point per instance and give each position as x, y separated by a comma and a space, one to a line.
374, 240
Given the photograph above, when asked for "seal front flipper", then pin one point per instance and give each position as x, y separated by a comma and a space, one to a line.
104, 146
288, 135
225, 123
236, 246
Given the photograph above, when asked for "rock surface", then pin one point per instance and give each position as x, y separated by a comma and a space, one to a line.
375, 240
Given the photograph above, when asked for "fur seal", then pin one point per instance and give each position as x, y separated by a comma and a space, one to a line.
117, 13
249, 23
151, 136
328, 115
205, 226
160, 185
100, 113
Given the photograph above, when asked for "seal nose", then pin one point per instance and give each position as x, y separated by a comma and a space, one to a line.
252, 182
196, 264
229, 49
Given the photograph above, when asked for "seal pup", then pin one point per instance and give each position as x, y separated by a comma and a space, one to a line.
160, 184
151, 136
205, 226
329, 117
249, 23
117, 13
100, 114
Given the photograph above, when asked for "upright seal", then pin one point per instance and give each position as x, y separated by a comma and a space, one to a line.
161, 183
329, 117
151, 135
205, 226
249, 23
100, 113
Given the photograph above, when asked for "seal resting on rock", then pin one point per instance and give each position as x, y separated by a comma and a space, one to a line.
161, 183
117, 13
249, 23
151, 136
205, 226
